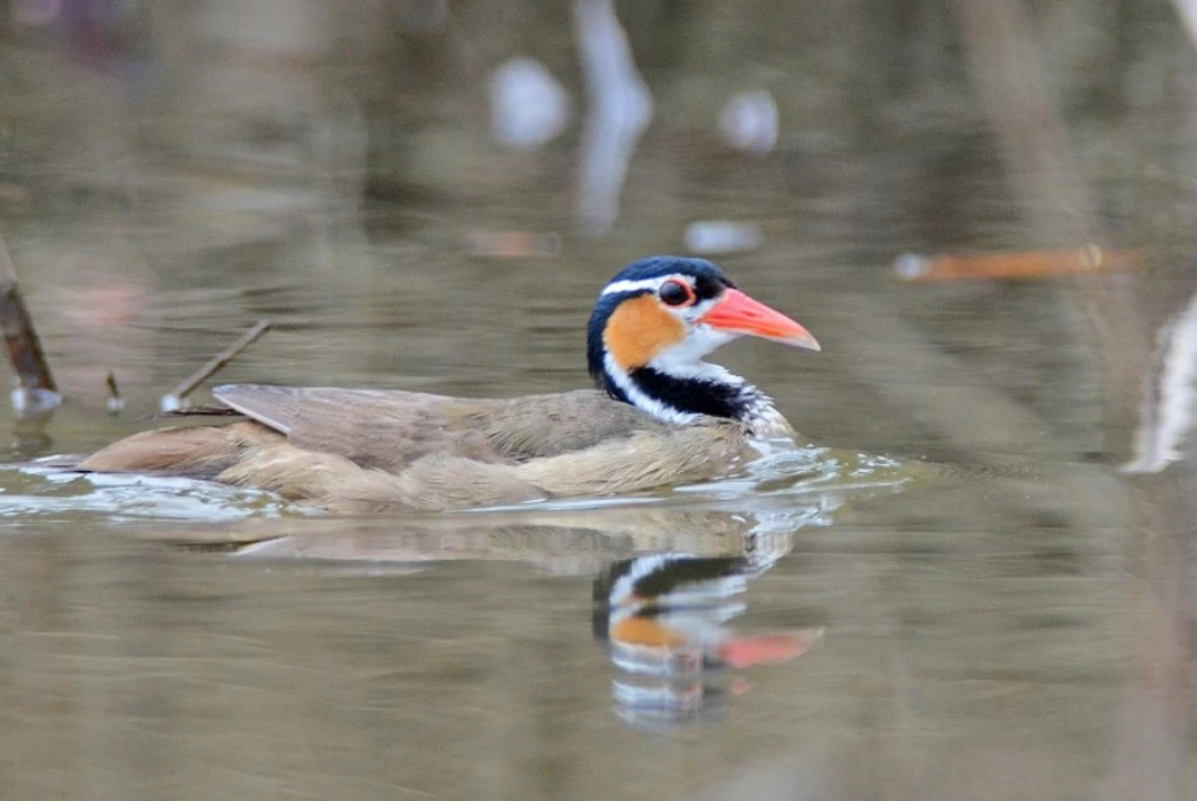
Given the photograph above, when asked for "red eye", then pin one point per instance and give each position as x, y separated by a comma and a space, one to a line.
675, 293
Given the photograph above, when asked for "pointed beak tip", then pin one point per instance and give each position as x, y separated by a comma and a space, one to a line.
803, 340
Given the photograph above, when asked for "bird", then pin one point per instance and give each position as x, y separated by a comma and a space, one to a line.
659, 415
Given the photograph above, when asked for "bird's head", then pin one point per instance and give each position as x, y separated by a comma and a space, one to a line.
654, 322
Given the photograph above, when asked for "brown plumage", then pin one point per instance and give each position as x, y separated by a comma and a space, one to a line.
662, 416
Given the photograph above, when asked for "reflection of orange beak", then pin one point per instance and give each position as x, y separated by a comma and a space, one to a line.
767, 649
737, 313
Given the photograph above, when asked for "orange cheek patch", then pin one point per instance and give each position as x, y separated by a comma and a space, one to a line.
638, 330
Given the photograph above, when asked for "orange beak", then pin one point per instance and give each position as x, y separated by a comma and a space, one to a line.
737, 313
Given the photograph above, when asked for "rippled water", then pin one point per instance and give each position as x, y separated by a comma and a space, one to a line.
953, 592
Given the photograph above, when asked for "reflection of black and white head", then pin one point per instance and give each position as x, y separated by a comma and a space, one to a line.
654, 322
668, 591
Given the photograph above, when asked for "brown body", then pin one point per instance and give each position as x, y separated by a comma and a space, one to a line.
376, 450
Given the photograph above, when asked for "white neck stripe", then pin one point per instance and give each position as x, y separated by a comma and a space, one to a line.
646, 403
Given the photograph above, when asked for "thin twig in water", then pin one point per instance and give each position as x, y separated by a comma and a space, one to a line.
115, 403
174, 399
36, 391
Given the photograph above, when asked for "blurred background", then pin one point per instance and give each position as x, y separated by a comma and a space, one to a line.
427, 195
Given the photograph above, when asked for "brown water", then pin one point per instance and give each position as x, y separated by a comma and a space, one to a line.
993, 610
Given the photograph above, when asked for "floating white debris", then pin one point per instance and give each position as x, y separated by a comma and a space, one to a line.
528, 107
912, 266
748, 121
171, 402
30, 404
709, 237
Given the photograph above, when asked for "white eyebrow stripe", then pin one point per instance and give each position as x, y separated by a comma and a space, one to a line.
649, 284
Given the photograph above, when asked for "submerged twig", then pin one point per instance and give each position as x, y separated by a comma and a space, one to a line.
36, 392
1188, 16
1017, 265
174, 399
1169, 401
115, 404
620, 107
1059, 206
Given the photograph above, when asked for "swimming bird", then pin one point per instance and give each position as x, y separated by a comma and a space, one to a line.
659, 415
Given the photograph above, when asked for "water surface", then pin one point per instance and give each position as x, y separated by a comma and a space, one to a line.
1001, 613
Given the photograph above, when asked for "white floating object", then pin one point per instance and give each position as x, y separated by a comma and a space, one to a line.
711, 237
748, 121
171, 402
33, 403
528, 107
912, 266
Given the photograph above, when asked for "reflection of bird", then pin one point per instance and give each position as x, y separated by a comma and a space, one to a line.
665, 601
661, 415
666, 619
